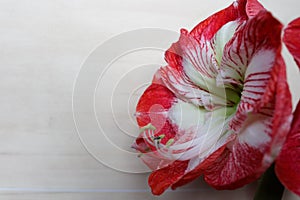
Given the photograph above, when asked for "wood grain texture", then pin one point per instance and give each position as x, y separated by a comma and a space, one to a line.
43, 45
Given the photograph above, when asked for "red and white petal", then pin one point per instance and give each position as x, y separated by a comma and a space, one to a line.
189, 119
259, 111
191, 74
206, 29
198, 60
193, 58
212, 34
291, 39
242, 160
201, 162
203, 146
152, 109
288, 162
267, 94
176, 121
199, 152
259, 137
198, 170
195, 143
258, 79
234, 168
207, 137
259, 36
282, 116
201, 60
223, 36
180, 85
174, 77
171, 166
260, 74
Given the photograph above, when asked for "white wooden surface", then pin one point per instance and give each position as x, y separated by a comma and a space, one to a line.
43, 45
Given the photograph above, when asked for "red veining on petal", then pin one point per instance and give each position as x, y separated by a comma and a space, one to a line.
258, 71
288, 162
198, 54
198, 171
174, 77
181, 86
234, 168
195, 51
242, 162
258, 34
282, 110
254, 150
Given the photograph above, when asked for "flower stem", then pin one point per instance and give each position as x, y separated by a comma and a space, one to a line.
269, 186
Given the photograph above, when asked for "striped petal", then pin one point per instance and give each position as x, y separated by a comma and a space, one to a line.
254, 38
260, 121
288, 162
184, 89
200, 62
168, 129
192, 151
259, 54
191, 135
259, 138
199, 165
193, 60
291, 39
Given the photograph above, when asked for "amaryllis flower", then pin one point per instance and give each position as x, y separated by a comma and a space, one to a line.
221, 107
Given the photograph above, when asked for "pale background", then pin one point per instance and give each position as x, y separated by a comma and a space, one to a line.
43, 46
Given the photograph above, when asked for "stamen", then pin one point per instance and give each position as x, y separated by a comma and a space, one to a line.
160, 137
147, 127
170, 142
